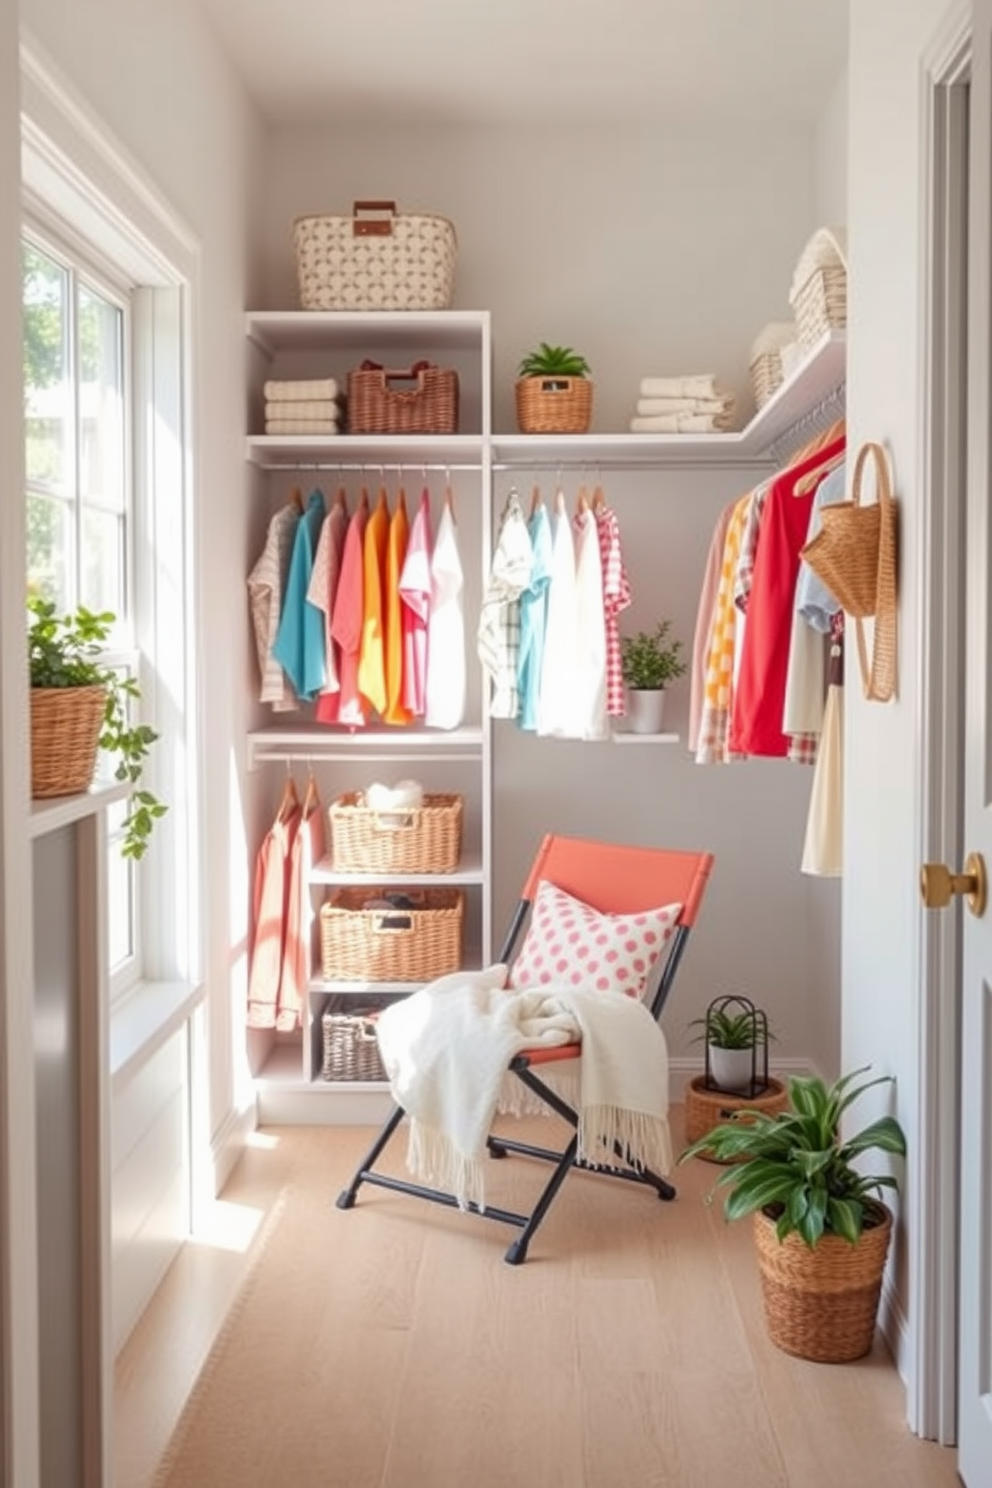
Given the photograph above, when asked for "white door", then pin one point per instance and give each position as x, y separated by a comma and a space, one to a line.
975, 1306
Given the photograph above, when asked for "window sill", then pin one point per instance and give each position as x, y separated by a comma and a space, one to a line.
145, 1019
50, 814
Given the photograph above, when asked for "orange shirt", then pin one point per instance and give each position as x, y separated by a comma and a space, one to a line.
399, 531
372, 655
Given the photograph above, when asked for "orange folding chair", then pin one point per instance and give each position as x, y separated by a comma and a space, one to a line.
612, 880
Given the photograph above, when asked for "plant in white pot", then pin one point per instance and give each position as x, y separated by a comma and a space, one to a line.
821, 1229
736, 1035
650, 661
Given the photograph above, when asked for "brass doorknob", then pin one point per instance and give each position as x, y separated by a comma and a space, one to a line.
938, 884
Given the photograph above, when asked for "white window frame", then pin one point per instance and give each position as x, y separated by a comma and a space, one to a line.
80, 189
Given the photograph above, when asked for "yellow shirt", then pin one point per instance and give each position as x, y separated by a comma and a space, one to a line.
372, 655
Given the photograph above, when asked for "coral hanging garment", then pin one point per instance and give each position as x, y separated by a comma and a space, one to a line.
415, 593
306, 850
445, 706
270, 905
757, 710
345, 706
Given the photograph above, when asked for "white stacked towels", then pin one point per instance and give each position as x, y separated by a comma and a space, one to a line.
313, 406
693, 404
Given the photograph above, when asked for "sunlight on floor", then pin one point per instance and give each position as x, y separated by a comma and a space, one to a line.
227, 1224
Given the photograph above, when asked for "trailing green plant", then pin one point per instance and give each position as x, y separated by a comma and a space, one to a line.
67, 651
553, 361
649, 660
796, 1168
726, 1030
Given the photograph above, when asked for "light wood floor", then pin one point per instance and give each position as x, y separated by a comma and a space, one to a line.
628, 1352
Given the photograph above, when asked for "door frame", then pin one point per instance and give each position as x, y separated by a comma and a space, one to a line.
934, 1197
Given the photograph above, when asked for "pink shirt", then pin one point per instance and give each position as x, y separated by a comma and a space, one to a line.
346, 706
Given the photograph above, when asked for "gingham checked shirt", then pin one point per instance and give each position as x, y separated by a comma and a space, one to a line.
499, 620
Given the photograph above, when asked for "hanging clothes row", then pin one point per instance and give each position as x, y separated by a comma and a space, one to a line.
282, 921
760, 651
361, 613
548, 636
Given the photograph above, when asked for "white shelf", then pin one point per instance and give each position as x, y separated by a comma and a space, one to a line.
314, 330
321, 742
49, 814
371, 451
820, 378
469, 871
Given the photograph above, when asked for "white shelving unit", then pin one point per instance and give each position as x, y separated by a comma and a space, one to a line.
320, 344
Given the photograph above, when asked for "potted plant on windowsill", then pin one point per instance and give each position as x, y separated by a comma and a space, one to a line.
649, 662
821, 1230
80, 705
553, 391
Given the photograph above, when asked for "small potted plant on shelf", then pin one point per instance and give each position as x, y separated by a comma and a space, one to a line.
553, 391
650, 661
822, 1231
80, 705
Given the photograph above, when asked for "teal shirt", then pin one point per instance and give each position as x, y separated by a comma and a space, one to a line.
299, 643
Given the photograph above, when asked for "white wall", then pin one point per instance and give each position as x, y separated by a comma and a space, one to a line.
650, 251
831, 158
882, 763
156, 78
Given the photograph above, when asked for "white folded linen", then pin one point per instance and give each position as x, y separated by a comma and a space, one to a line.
650, 407
681, 423
693, 385
309, 408
405, 795
301, 391
302, 426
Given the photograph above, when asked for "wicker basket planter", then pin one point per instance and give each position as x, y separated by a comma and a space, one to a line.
706, 1107
554, 405
391, 944
65, 732
821, 1303
423, 839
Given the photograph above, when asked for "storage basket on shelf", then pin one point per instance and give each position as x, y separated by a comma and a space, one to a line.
351, 1050
767, 368
375, 259
420, 839
65, 735
413, 936
422, 399
554, 405
819, 287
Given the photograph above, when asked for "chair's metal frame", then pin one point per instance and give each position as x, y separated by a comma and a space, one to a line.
600, 874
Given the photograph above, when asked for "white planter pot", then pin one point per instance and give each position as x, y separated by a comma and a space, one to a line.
645, 710
731, 1069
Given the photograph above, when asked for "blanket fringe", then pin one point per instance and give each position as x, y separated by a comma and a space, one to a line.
434, 1159
645, 1140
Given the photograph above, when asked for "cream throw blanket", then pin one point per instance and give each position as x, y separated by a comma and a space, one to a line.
446, 1050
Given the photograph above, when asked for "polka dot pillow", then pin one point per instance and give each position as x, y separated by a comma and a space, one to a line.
570, 944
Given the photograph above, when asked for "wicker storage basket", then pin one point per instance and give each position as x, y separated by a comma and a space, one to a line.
819, 287
821, 1303
422, 399
397, 944
767, 369
554, 405
65, 733
424, 839
706, 1108
388, 260
351, 1050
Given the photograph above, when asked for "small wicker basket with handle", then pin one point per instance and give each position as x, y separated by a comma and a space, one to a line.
422, 399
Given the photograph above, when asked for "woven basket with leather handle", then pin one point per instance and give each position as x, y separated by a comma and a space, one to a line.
375, 259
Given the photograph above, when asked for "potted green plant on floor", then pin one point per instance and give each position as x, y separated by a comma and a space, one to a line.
80, 705
821, 1230
553, 391
650, 661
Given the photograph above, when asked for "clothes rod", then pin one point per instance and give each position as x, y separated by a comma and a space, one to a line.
370, 467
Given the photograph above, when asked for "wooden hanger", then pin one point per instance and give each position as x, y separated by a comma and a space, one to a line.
560, 501
449, 502
598, 499
812, 479
290, 800
582, 504
341, 499
535, 498
296, 498
311, 800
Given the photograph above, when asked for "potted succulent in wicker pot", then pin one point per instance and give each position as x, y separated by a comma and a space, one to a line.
553, 391
821, 1230
80, 705
650, 661
735, 1078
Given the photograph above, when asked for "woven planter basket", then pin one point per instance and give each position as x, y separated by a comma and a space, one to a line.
706, 1108
424, 839
65, 732
391, 945
554, 405
821, 1303
415, 400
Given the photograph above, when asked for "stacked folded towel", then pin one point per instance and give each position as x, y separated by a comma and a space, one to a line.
693, 404
314, 406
